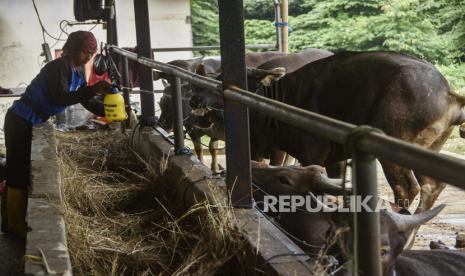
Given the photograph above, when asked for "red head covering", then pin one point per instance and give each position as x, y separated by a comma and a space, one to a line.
80, 40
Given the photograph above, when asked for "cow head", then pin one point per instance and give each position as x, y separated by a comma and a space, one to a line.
166, 117
255, 78
293, 180
204, 97
396, 229
192, 65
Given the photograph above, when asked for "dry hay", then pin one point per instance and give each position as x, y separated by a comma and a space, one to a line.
120, 219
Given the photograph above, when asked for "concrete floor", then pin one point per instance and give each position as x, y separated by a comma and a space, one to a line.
11, 255
11, 250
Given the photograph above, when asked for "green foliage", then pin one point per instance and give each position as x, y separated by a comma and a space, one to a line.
259, 32
298, 7
451, 21
259, 9
205, 26
264, 9
394, 25
433, 30
455, 75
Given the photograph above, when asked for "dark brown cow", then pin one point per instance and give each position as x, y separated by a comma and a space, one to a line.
405, 97
395, 261
313, 231
290, 62
209, 66
257, 59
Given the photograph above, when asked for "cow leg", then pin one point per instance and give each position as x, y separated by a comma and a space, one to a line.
433, 139
403, 183
430, 188
336, 170
212, 147
277, 157
197, 146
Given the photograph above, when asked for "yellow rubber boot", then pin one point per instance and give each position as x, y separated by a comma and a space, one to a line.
16, 212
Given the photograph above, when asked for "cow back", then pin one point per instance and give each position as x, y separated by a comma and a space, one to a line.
430, 262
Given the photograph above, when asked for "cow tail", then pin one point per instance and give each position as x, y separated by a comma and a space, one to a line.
459, 98
460, 118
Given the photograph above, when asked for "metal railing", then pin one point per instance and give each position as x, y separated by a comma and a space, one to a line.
368, 146
211, 47
441, 167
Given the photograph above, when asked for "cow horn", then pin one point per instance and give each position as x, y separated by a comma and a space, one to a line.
165, 83
319, 202
332, 186
408, 222
157, 75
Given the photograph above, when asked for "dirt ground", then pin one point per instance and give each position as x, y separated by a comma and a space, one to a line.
444, 227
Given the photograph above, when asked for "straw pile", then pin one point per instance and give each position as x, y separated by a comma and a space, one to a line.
120, 219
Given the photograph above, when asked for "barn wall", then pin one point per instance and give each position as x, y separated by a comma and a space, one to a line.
21, 37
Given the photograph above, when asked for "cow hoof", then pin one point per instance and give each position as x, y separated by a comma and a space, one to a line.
437, 245
460, 241
462, 130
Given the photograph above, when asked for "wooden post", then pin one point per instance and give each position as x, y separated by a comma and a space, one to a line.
285, 27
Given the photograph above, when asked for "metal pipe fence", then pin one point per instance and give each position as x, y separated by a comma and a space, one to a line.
367, 147
212, 47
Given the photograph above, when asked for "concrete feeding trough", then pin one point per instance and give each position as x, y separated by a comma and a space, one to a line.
274, 251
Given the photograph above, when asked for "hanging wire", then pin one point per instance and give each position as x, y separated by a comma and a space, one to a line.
93, 27
61, 26
44, 31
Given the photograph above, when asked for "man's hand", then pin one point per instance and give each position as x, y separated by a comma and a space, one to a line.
101, 87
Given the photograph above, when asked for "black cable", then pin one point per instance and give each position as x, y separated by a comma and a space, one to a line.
44, 31
133, 132
56, 42
93, 27
61, 27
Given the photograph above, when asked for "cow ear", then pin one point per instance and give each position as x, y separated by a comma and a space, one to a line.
200, 69
157, 75
165, 83
275, 75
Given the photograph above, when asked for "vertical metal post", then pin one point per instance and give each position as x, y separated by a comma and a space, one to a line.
141, 13
278, 21
177, 115
125, 82
236, 116
285, 25
366, 224
112, 32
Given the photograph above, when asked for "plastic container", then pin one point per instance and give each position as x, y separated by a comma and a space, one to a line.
114, 107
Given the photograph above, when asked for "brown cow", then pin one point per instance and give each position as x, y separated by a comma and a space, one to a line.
290, 62
318, 232
407, 98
